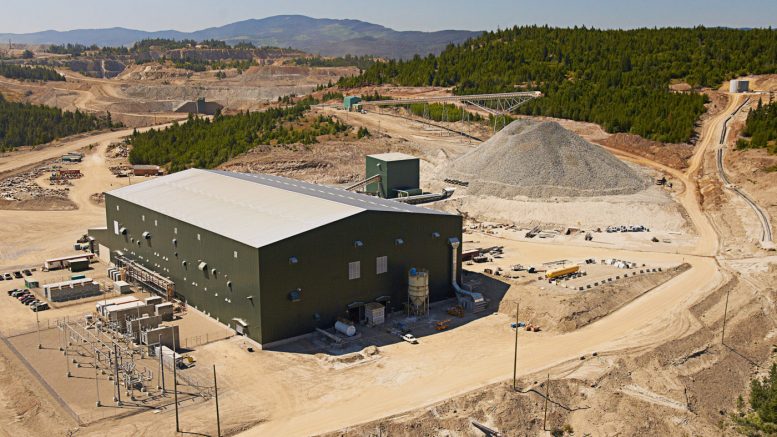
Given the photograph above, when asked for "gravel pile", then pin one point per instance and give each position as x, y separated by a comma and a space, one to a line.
541, 160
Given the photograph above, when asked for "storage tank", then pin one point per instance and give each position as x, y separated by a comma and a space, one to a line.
418, 292
345, 328
562, 272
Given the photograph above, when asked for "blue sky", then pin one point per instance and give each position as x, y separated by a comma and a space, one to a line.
21, 16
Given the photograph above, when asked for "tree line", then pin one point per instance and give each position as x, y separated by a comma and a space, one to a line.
617, 78
761, 418
204, 143
31, 73
362, 62
24, 124
760, 130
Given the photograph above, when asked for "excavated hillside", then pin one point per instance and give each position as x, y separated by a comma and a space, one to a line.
540, 160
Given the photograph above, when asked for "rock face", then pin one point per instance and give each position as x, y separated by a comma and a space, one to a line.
540, 160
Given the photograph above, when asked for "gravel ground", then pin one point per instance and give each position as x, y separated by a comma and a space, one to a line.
541, 160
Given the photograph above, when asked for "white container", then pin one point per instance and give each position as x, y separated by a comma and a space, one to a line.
345, 328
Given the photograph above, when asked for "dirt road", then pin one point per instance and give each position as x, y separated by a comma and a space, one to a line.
19, 161
29, 237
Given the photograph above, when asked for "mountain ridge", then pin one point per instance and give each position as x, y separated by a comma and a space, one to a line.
325, 36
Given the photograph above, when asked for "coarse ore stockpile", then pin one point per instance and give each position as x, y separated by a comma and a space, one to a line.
541, 159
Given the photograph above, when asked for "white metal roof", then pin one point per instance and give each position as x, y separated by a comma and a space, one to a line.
254, 209
393, 156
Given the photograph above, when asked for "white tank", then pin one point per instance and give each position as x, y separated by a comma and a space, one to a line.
345, 328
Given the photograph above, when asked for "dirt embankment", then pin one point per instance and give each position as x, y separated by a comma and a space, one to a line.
328, 162
496, 406
557, 309
671, 155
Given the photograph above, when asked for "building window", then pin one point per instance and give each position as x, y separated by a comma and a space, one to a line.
381, 264
354, 270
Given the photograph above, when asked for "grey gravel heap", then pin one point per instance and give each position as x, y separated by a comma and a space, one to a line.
542, 160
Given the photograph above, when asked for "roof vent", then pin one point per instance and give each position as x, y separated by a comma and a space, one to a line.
358, 243
399, 241
203, 266
435, 235
295, 295
123, 230
146, 235
293, 260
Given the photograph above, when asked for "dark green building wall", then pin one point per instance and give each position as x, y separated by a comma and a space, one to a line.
323, 256
203, 290
267, 275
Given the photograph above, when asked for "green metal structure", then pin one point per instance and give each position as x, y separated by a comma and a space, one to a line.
398, 172
349, 101
284, 278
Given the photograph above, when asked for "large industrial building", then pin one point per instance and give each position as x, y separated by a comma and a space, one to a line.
275, 257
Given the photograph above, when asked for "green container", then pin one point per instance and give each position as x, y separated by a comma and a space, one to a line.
397, 171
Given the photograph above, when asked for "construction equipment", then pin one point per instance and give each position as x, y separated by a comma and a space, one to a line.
442, 325
456, 311
186, 362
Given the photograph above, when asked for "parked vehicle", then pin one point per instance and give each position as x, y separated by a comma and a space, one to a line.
43, 306
410, 338
17, 293
12, 291
18, 275
23, 295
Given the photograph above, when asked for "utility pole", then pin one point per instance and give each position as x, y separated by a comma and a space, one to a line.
175, 387
116, 373
161, 365
67, 359
37, 327
96, 380
515, 357
547, 393
216, 390
725, 313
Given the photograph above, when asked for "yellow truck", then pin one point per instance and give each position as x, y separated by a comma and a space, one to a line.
563, 271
